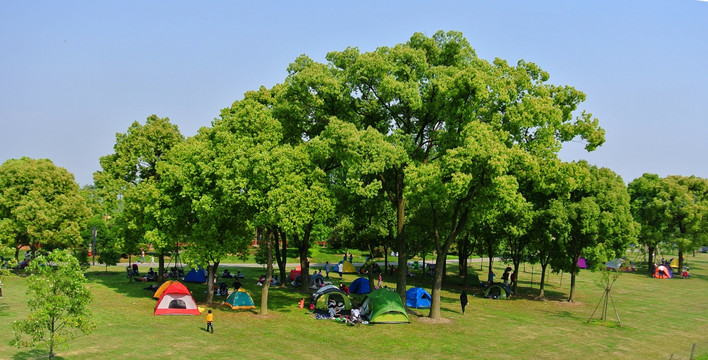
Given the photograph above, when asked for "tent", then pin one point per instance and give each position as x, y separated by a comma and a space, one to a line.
294, 273
162, 289
615, 264
360, 286
582, 264
498, 291
315, 280
384, 307
240, 300
321, 298
198, 275
418, 298
663, 272
176, 300
348, 268
674, 263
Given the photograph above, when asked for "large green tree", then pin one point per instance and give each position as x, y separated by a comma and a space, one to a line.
58, 302
419, 96
129, 180
595, 221
649, 210
686, 202
40, 205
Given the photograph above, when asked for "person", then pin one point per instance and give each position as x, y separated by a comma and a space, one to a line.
332, 306
237, 284
261, 280
505, 275
340, 269
685, 273
351, 257
239, 275
490, 278
210, 322
226, 274
345, 257
327, 269
173, 273
512, 278
151, 275
355, 315
135, 269
142, 255
301, 303
344, 288
379, 283
463, 301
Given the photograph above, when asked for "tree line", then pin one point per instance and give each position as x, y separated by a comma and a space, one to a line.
420, 147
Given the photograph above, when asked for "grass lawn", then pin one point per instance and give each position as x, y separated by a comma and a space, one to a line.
660, 318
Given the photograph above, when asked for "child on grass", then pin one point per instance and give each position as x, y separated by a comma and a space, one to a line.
210, 320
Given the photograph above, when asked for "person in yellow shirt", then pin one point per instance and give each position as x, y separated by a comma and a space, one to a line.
210, 320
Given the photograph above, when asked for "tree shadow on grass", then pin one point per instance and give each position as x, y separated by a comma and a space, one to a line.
34, 354
119, 283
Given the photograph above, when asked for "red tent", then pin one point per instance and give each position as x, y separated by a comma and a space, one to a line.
663, 272
295, 273
176, 300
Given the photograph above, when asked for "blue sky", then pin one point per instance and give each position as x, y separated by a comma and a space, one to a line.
72, 74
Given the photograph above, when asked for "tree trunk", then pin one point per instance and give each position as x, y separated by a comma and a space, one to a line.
516, 280
402, 249
541, 292
161, 270
680, 262
269, 273
437, 284
650, 260
281, 256
386, 259
211, 275
571, 296
304, 267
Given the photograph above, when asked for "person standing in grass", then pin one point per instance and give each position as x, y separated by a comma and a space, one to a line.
210, 320
463, 301
327, 269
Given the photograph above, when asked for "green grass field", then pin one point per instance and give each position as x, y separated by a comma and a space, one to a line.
660, 319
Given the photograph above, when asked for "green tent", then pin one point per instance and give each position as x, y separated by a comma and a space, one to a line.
240, 300
322, 295
384, 307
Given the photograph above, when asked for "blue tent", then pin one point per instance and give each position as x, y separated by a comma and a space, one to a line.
360, 286
196, 276
418, 298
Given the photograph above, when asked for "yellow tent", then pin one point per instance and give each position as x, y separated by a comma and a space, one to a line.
674, 263
161, 289
348, 268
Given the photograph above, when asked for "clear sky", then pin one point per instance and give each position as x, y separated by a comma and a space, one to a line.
72, 74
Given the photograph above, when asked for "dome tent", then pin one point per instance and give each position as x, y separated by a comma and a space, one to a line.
240, 300
176, 300
418, 298
360, 286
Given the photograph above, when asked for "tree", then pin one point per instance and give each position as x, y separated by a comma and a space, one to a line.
58, 303
650, 211
209, 218
595, 221
418, 97
40, 205
686, 201
129, 177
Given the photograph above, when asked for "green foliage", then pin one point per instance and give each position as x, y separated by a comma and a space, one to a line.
40, 205
58, 302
